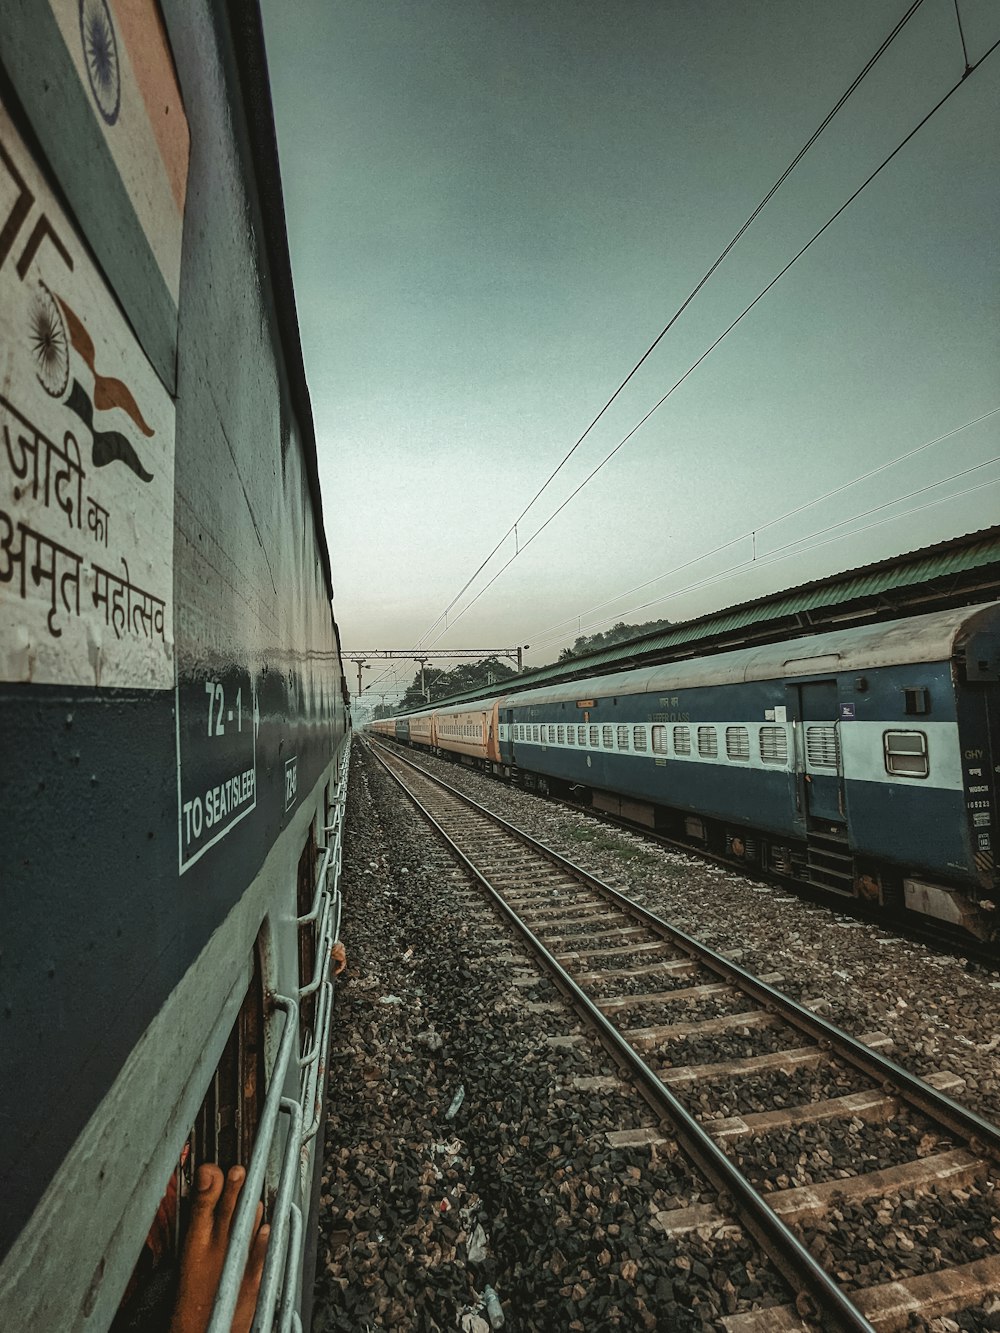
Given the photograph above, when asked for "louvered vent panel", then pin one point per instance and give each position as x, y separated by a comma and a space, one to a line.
823, 746
773, 745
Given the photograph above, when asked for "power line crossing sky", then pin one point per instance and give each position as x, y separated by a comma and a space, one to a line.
494, 208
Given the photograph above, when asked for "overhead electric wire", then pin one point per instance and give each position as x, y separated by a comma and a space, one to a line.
777, 557
804, 547
838, 106
553, 630
725, 333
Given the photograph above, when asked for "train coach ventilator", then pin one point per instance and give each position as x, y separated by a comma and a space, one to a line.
277, 1303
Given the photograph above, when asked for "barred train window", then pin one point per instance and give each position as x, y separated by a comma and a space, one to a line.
595, 737
561, 735
682, 740
535, 732
623, 738
639, 738
581, 735
708, 743
737, 743
659, 740
823, 746
571, 735
608, 735
906, 754
774, 745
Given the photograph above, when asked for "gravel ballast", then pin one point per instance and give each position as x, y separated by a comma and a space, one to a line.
519, 1191
940, 1011
425, 1217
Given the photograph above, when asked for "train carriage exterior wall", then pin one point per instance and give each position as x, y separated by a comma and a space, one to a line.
171, 694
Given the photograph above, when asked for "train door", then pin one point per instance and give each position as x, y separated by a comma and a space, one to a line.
506, 735
824, 774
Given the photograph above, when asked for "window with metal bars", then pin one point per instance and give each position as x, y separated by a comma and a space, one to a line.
639, 738
571, 735
223, 1133
581, 735
773, 745
608, 737
623, 738
595, 737
708, 743
737, 743
682, 740
823, 746
560, 734
659, 740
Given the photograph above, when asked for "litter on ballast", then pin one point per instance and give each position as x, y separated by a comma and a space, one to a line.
477, 1245
456, 1102
494, 1310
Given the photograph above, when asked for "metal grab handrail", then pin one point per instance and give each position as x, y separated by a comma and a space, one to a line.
284, 1256
288, 1315
315, 1095
321, 879
276, 1257
320, 963
246, 1206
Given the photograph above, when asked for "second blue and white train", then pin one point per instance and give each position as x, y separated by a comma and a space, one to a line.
865, 761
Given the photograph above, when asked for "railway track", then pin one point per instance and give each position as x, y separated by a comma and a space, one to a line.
934, 934
662, 1003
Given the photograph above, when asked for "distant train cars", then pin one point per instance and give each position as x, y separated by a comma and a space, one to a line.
865, 761
173, 722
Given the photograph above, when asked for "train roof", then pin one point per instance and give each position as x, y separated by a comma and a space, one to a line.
963, 570
910, 641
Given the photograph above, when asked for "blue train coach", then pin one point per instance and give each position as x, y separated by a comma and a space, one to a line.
862, 760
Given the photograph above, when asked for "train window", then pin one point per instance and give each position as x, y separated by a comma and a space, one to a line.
823, 746
708, 743
552, 735
774, 745
623, 738
659, 740
737, 743
682, 740
595, 737
608, 737
536, 735
581, 735
906, 754
560, 734
639, 738
571, 735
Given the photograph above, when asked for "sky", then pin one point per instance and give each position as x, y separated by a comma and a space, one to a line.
494, 209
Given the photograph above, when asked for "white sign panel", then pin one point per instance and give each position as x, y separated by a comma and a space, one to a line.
86, 460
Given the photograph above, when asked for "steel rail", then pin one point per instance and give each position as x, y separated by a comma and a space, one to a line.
928, 931
982, 1135
825, 1299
